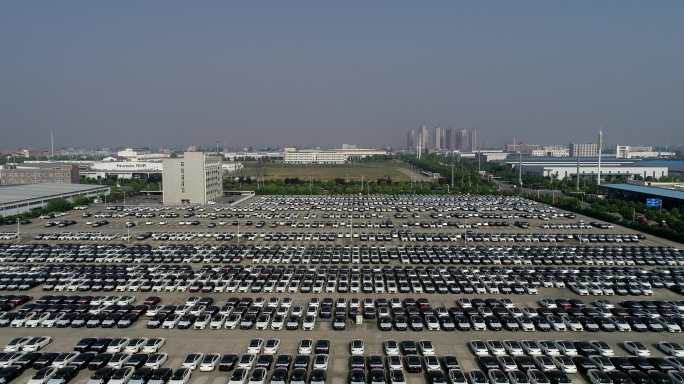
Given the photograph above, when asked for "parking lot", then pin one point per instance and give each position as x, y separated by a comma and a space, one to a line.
373, 268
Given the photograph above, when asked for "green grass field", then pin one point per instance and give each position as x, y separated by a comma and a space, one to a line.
396, 170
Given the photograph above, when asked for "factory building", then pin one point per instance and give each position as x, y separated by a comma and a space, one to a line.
13, 174
560, 172
18, 199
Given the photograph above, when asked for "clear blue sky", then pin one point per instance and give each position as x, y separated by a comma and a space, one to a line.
313, 73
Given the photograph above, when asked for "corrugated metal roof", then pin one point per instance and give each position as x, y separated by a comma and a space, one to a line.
654, 191
17, 193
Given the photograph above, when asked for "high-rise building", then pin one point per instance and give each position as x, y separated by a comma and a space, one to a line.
424, 139
195, 178
411, 139
583, 150
473, 140
439, 138
463, 140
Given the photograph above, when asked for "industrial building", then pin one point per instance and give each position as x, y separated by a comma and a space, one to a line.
328, 156
670, 198
584, 150
18, 199
124, 169
639, 152
559, 168
195, 178
12, 174
560, 172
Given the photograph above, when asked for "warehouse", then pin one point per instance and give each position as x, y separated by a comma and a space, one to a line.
669, 198
560, 172
18, 199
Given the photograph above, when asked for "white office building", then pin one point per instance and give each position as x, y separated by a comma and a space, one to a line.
328, 156
639, 152
195, 178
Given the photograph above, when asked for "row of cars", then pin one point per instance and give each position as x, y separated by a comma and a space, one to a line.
77, 312
333, 279
501, 360
116, 361
339, 254
401, 236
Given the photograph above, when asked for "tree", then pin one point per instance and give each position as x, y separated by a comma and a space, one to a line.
58, 205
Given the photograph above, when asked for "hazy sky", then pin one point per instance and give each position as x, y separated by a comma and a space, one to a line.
326, 73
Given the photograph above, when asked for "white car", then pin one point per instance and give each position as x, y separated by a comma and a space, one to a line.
603, 348
217, 321
36, 343
42, 376
246, 361
391, 348
239, 376
117, 345
10, 358
201, 322
134, 345
180, 376
156, 360
496, 348
321, 361
36, 321
478, 347
531, 347
356, 347
16, 344
671, 348
209, 362
63, 359
565, 364
121, 376
305, 347
118, 360
636, 348
192, 360
254, 347
271, 346
50, 321
152, 345
514, 348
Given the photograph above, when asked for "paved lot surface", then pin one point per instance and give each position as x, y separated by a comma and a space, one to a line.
181, 342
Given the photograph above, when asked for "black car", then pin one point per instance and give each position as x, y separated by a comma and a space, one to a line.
82, 360
279, 375
99, 361
227, 362
84, 344
356, 376
413, 363
162, 374
65, 374
8, 374
136, 360
298, 375
102, 375
45, 360
620, 377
